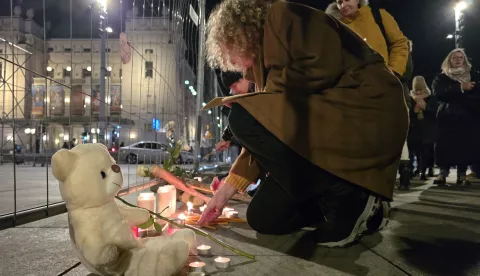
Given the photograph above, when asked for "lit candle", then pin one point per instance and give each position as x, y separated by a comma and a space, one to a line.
204, 249
167, 197
202, 208
222, 262
182, 218
189, 208
196, 266
232, 214
226, 210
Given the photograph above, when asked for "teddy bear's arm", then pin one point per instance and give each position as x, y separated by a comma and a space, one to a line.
133, 216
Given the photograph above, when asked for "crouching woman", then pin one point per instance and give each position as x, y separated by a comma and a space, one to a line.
328, 125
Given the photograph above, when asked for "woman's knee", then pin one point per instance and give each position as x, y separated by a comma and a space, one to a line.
265, 223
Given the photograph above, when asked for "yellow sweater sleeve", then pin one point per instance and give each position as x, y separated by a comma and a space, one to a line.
398, 55
243, 172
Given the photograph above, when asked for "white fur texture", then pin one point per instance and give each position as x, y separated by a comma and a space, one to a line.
100, 227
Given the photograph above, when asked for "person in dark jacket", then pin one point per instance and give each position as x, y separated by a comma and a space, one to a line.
422, 127
458, 117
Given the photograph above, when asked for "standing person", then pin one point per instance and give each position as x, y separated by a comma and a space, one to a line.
380, 30
458, 117
383, 35
422, 127
315, 127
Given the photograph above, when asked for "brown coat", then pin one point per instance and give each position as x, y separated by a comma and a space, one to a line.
328, 96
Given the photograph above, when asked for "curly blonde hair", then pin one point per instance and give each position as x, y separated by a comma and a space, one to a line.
235, 27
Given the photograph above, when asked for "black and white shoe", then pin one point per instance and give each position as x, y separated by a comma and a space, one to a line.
346, 218
381, 219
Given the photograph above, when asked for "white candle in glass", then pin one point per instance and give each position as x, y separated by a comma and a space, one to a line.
147, 201
222, 262
167, 197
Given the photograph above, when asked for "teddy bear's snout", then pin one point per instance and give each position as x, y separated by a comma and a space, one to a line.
116, 168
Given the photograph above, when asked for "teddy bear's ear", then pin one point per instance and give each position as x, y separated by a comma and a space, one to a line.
62, 163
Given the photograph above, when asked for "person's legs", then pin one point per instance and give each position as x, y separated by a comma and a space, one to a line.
273, 212
345, 205
462, 175
442, 177
403, 168
299, 178
428, 157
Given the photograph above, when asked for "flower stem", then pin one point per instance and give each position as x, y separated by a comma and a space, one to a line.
194, 229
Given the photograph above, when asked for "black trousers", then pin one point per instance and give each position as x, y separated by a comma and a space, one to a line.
288, 199
424, 152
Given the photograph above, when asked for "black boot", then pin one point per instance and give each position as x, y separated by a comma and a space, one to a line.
405, 176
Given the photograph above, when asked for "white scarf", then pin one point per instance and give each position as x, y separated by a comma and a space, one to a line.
459, 74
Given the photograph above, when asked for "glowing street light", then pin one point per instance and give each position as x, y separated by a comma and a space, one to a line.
461, 6
69, 68
89, 68
187, 82
449, 36
49, 69
103, 4
109, 30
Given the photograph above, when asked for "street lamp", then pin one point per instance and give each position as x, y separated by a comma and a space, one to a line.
449, 36
459, 8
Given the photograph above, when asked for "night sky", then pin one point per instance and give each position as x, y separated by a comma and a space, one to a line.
425, 22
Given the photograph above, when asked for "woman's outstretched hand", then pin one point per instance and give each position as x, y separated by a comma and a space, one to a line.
215, 205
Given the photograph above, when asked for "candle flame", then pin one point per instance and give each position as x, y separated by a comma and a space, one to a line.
182, 216
189, 206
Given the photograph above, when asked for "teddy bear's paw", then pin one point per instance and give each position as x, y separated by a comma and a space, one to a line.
186, 235
166, 260
109, 254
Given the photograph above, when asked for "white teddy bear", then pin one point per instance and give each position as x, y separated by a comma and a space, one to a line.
100, 226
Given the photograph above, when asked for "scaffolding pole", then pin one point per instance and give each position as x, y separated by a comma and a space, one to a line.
200, 79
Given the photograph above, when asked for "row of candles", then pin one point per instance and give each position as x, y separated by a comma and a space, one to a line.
167, 197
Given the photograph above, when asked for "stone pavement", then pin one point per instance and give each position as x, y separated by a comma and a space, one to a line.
434, 231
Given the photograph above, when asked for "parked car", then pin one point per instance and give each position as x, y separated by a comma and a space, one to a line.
144, 152
150, 152
186, 157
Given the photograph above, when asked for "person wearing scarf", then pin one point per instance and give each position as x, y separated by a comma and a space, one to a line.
458, 117
422, 127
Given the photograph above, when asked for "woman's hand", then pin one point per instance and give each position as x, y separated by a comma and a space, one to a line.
222, 145
467, 86
215, 205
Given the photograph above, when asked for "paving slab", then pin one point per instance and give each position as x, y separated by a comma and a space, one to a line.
434, 231
35, 251
438, 234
